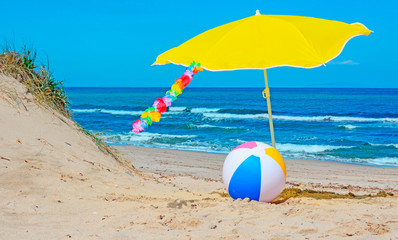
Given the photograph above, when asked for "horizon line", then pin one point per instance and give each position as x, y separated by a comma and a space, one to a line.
234, 87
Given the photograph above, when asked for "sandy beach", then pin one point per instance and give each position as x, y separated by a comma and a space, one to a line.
56, 184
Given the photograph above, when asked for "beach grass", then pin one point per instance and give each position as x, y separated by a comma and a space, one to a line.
22, 65
41, 83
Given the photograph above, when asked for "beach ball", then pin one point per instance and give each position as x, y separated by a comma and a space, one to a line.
254, 170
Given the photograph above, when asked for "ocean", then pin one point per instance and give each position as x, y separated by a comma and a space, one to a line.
357, 126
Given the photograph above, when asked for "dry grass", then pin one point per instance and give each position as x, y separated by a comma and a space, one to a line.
306, 193
299, 193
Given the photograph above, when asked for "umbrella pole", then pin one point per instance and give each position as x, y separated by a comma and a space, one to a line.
266, 95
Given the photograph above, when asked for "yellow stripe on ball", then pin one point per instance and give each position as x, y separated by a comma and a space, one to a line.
274, 154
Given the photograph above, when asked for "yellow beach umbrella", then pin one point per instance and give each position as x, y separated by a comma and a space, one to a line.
266, 41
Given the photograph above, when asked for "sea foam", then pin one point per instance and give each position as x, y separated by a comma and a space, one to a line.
296, 148
348, 127
108, 111
218, 116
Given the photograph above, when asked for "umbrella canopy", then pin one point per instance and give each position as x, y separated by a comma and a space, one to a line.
266, 41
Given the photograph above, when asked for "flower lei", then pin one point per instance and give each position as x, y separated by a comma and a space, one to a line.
154, 113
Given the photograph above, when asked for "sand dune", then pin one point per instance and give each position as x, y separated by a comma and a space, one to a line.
56, 184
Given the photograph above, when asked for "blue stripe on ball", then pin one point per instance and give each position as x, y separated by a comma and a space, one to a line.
246, 180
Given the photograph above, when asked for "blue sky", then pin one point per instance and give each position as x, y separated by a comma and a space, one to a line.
99, 43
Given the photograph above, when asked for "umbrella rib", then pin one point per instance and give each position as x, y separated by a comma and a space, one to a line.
305, 39
225, 35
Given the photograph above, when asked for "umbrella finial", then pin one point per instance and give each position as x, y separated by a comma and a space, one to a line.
258, 12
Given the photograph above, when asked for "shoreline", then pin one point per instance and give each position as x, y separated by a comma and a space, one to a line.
311, 174
218, 153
